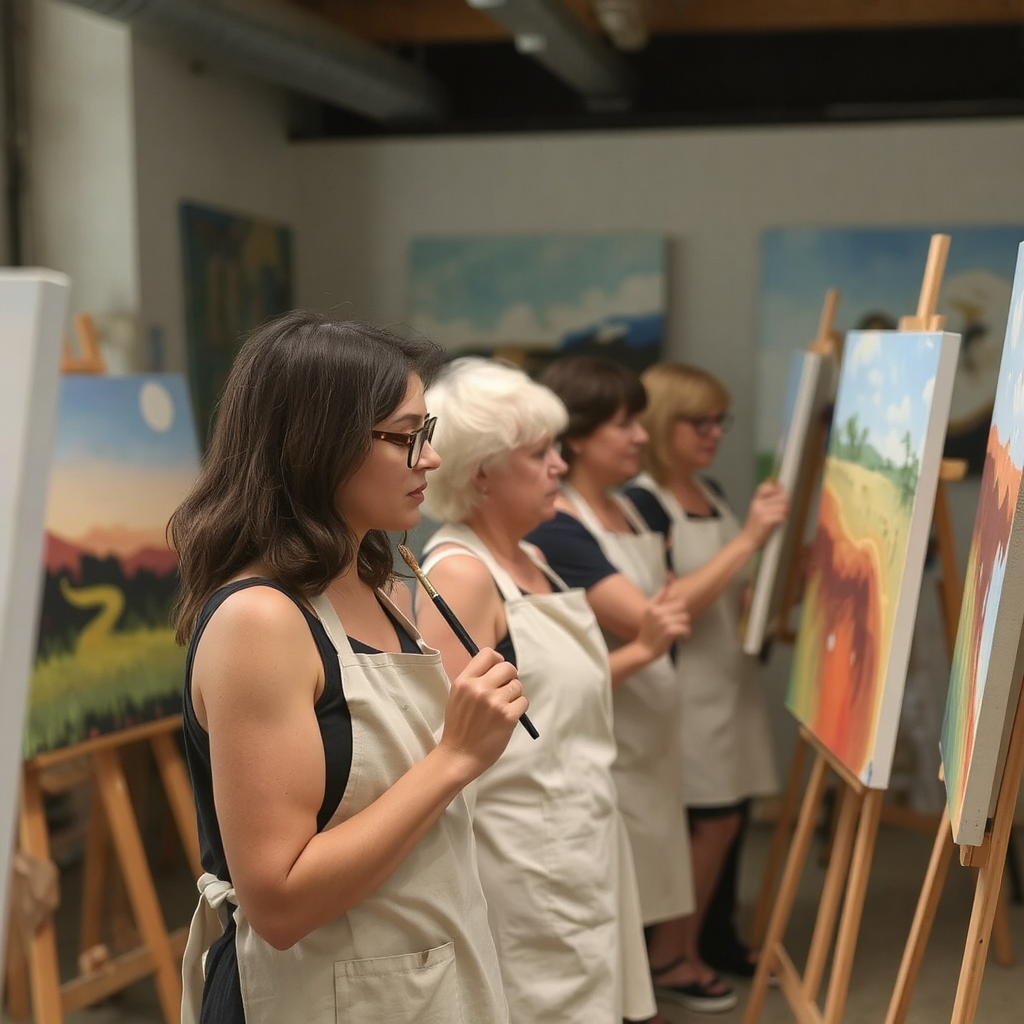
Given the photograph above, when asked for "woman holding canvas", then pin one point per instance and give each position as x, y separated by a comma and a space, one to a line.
554, 856
727, 751
328, 752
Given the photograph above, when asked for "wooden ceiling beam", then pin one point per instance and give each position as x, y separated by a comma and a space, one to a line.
453, 21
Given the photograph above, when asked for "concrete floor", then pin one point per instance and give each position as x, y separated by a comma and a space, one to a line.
899, 867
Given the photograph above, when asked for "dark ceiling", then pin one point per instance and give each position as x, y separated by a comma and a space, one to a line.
958, 61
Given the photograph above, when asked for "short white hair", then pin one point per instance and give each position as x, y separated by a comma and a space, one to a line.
485, 410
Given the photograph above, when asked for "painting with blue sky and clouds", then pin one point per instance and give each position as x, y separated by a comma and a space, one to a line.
542, 295
879, 271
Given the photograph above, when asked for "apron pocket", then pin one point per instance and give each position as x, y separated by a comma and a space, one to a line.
411, 988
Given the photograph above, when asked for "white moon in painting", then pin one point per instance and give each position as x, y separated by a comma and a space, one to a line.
156, 406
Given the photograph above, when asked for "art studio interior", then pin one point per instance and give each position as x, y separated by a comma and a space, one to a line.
734, 290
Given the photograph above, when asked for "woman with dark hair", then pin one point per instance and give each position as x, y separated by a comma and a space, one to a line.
598, 541
337, 844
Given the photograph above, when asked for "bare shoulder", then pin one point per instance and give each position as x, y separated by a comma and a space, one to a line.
463, 571
255, 639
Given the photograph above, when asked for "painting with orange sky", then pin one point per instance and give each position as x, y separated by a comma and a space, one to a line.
125, 454
986, 672
867, 557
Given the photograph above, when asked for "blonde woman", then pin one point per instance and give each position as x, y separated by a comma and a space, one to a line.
554, 856
727, 750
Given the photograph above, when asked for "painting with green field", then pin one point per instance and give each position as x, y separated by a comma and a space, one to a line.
125, 454
867, 558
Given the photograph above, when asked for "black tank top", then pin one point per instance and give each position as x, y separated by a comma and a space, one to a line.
222, 993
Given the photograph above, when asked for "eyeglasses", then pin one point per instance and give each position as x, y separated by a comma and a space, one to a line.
414, 441
703, 424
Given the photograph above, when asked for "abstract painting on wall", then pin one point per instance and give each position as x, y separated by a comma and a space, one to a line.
878, 272
867, 558
532, 298
125, 455
238, 273
808, 395
987, 661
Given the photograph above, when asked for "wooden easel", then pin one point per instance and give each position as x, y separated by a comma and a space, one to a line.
825, 343
860, 812
988, 915
159, 953
112, 813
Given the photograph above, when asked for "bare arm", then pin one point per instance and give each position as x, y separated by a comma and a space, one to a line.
468, 589
701, 588
255, 679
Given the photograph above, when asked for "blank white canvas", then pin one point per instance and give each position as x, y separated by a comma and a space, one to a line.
33, 311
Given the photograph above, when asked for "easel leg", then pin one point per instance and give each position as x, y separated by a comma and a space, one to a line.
15, 974
179, 794
920, 929
832, 893
780, 842
853, 906
44, 974
787, 890
124, 829
97, 859
1002, 937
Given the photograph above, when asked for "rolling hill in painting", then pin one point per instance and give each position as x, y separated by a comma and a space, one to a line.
986, 669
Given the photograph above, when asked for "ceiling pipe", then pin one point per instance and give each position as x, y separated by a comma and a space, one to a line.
546, 31
281, 43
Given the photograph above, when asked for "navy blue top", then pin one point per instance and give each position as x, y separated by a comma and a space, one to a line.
572, 551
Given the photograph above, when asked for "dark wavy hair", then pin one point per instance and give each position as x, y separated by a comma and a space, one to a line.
593, 390
292, 425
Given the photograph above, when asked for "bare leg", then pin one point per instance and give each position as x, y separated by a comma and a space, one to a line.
710, 841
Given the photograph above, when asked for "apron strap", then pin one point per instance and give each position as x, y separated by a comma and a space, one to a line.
215, 897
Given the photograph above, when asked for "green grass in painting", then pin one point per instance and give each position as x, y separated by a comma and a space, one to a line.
128, 678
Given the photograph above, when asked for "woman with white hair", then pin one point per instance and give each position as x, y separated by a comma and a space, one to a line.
554, 857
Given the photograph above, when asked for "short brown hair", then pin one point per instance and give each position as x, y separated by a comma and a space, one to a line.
292, 425
593, 390
675, 391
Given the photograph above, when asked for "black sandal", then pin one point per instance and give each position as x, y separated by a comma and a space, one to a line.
694, 995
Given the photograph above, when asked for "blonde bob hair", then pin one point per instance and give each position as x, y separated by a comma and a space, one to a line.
485, 410
674, 392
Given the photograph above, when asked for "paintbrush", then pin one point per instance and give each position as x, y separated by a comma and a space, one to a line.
449, 616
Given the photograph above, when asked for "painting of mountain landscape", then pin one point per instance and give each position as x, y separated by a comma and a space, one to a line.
125, 454
867, 557
532, 298
986, 672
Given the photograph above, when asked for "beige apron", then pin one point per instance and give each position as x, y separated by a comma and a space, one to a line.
727, 745
646, 716
555, 859
416, 951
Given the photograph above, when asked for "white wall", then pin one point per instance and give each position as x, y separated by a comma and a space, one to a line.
82, 169
208, 135
711, 191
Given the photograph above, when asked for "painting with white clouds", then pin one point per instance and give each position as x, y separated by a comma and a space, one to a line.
867, 557
988, 658
125, 454
879, 271
535, 297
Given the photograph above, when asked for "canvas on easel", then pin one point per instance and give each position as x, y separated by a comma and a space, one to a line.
33, 310
125, 455
807, 394
988, 658
867, 558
